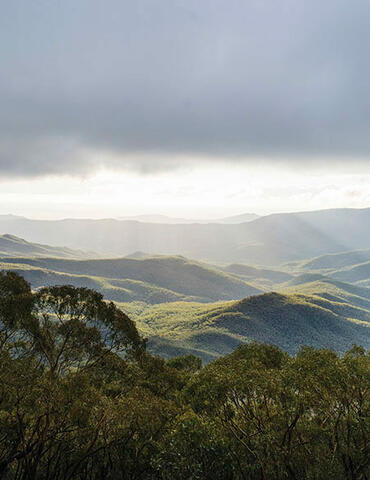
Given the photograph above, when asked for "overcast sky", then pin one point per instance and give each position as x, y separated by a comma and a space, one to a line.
192, 107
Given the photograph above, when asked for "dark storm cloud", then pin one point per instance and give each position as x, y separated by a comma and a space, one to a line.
225, 79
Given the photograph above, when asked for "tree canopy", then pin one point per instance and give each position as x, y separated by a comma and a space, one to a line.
80, 398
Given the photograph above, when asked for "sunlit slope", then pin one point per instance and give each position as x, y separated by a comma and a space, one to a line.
314, 284
353, 267
153, 280
336, 261
267, 279
288, 320
270, 240
355, 273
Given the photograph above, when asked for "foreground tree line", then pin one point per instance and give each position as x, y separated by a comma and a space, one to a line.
80, 398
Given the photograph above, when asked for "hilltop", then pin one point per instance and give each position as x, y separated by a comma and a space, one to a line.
324, 316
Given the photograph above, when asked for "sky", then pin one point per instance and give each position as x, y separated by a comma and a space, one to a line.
183, 107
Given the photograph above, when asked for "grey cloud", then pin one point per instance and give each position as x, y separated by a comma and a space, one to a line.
223, 79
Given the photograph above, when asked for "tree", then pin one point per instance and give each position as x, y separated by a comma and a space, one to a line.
74, 328
188, 363
283, 417
16, 307
80, 398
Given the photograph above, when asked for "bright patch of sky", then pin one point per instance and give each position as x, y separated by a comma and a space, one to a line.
199, 192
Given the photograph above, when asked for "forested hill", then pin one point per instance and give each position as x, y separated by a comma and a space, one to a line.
184, 306
320, 314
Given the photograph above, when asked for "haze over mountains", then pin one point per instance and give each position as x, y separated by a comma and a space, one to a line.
12, 245
288, 279
268, 240
244, 217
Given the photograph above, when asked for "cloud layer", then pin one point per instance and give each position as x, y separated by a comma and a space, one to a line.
145, 84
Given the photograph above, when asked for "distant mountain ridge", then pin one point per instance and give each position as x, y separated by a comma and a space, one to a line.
164, 219
11, 245
269, 240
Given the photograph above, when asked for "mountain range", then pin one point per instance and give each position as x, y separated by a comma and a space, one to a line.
164, 219
287, 279
269, 240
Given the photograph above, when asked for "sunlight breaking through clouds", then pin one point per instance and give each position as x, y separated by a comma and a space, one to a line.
193, 193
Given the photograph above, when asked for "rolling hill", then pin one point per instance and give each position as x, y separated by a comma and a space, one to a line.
353, 266
355, 273
266, 279
185, 305
335, 261
287, 320
152, 280
335, 291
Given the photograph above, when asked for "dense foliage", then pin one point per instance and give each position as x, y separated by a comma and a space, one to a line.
80, 398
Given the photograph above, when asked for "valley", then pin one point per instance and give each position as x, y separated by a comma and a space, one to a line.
208, 308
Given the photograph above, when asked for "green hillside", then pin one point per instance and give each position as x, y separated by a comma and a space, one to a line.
185, 306
152, 280
352, 267
287, 320
355, 273
266, 279
335, 261
330, 289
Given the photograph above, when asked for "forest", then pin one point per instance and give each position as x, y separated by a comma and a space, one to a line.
82, 398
